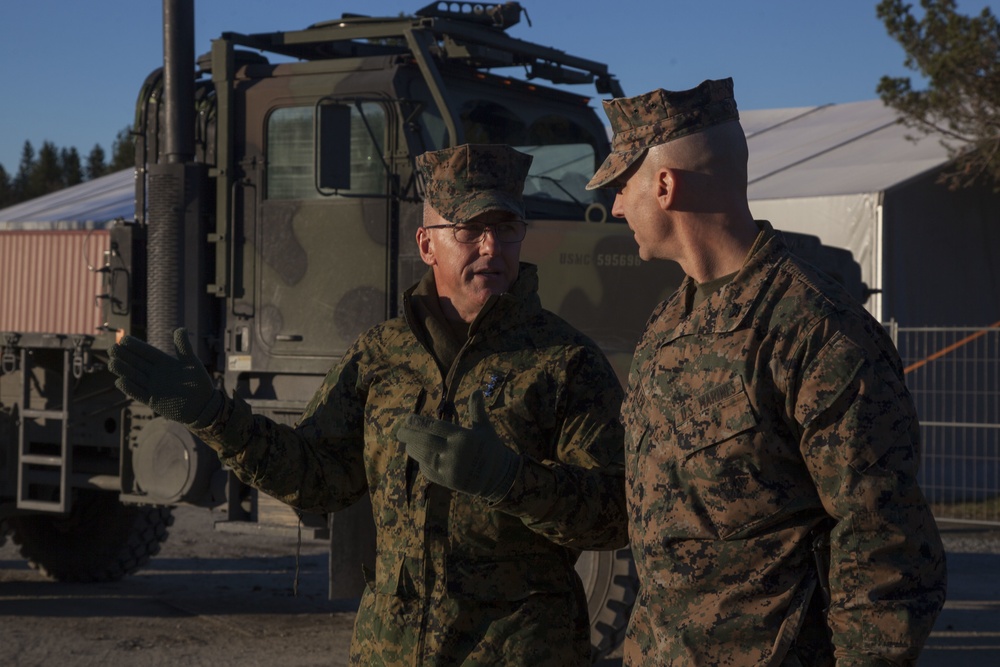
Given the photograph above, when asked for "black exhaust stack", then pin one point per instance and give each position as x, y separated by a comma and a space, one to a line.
178, 78
176, 208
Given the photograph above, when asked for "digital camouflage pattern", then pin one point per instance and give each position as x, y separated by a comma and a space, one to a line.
763, 421
458, 580
660, 116
464, 181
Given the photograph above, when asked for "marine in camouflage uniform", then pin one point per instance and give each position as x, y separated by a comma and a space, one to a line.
482, 576
771, 442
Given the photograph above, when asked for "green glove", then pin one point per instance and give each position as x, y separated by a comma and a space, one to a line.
472, 460
179, 389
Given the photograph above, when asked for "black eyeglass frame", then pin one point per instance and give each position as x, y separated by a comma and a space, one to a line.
520, 225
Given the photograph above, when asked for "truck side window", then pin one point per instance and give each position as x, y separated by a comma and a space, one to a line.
291, 146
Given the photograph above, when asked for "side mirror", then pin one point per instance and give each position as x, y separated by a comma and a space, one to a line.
333, 168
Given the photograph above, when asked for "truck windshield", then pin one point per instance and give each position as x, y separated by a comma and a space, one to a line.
560, 173
565, 153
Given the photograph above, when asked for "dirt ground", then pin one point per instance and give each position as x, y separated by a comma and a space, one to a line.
208, 598
214, 598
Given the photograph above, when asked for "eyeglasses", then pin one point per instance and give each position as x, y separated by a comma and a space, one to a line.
508, 231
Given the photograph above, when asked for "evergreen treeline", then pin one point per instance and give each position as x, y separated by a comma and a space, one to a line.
52, 168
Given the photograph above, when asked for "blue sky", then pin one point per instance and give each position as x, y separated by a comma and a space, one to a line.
70, 70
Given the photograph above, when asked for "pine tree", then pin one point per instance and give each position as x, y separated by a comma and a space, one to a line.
123, 150
69, 164
46, 176
52, 168
959, 56
6, 189
96, 166
24, 169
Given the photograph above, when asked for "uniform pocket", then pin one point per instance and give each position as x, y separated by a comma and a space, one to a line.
723, 475
506, 580
394, 575
714, 416
521, 410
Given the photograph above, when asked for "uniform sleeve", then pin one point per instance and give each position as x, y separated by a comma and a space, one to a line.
860, 439
577, 499
317, 465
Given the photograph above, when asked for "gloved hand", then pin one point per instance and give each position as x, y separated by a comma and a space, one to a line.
472, 460
179, 389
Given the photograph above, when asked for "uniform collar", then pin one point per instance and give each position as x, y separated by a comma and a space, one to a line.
725, 310
501, 311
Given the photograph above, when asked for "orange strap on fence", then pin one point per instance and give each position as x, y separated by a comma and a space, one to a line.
945, 350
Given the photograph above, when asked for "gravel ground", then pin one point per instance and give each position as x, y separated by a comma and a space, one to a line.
214, 599
967, 633
970, 538
208, 599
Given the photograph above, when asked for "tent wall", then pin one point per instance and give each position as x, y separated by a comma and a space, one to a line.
842, 221
933, 253
941, 255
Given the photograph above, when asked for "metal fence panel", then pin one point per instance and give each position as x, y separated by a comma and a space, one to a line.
954, 376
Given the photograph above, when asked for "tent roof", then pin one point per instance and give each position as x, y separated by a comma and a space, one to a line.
91, 204
836, 149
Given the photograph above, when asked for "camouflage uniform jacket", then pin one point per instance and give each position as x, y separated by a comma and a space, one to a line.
457, 581
771, 417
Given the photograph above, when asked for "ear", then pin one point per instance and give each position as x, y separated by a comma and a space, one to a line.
425, 244
665, 187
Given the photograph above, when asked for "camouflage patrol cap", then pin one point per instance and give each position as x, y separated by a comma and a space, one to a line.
464, 181
660, 116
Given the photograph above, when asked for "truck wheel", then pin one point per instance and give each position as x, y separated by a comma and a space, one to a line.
101, 540
610, 581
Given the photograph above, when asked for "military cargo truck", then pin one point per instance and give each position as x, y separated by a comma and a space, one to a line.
276, 206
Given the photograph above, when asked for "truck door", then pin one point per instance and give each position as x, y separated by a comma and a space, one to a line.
316, 261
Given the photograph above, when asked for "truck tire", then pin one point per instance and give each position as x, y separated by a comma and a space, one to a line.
610, 581
101, 539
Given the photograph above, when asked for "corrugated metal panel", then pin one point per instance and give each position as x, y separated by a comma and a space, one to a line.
45, 283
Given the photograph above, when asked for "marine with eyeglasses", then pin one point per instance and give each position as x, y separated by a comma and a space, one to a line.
484, 428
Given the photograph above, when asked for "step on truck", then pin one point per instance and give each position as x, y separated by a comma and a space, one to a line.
275, 209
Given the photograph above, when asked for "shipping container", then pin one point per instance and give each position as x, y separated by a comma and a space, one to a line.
49, 280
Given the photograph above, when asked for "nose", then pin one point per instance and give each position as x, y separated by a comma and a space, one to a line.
618, 208
488, 244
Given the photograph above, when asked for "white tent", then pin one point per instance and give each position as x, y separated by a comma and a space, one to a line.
90, 205
850, 175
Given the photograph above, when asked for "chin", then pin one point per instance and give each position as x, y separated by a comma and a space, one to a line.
493, 282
